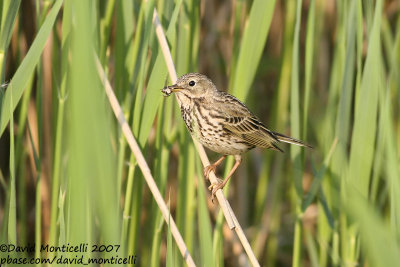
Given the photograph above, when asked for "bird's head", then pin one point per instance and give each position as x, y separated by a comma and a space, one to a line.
192, 85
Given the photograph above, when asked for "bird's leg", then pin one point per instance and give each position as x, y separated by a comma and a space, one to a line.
220, 185
212, 167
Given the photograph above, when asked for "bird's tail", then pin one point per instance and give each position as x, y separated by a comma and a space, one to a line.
290, 140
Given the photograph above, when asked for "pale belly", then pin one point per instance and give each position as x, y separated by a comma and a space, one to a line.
215, 138
225, 147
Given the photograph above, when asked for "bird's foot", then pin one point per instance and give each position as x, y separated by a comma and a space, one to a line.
208, 169
214, 187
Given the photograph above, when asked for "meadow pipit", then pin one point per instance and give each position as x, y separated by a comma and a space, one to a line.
221, 122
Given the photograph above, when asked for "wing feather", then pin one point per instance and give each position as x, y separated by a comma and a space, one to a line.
243, 124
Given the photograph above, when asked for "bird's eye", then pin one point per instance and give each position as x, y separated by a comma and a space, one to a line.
192, 83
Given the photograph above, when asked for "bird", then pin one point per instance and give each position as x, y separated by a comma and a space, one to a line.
222, 123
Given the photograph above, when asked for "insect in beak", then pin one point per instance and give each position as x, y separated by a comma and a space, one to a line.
168, 90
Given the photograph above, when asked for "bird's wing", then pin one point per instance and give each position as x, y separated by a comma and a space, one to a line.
242, 123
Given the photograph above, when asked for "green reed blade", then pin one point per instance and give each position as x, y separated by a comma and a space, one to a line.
295, 153
25, 70
205, 231
252, 45
309, 54
380, 246
8, 18
153, 95
12, 210
363, 138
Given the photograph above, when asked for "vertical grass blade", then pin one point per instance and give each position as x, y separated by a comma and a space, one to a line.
364, 132
295, 153
170, 244
80, 126
9, 15
389, 158
252, 45
25, 70
12, 210
309, 57
380, 247
161, 174
59, 135
295, 104
205, 239
363, 138
343, 117
92, 188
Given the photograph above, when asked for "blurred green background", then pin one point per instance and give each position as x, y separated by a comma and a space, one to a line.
323, 71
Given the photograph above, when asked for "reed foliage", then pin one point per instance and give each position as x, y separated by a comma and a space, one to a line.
326, 72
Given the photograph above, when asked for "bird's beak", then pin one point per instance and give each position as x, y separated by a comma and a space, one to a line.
175, 88
168, 90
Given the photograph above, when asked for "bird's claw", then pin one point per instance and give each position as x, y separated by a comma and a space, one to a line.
214, 187
208, 169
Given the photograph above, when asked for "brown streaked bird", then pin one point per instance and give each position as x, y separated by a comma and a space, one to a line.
221, 122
